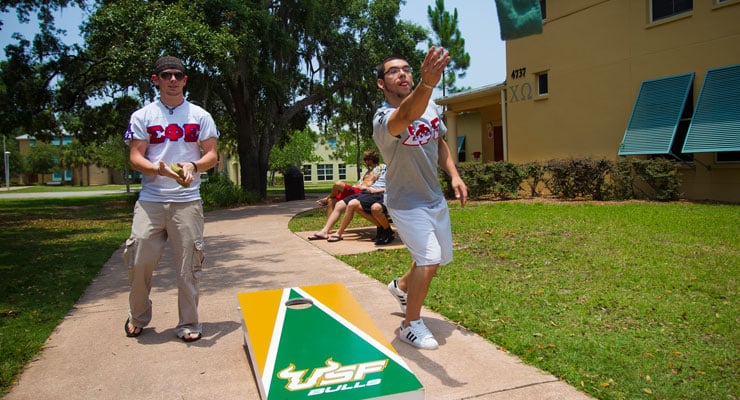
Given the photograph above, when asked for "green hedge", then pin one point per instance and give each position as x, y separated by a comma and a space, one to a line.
219, 191
626, 178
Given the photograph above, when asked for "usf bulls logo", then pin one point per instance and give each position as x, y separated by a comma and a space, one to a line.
333, 377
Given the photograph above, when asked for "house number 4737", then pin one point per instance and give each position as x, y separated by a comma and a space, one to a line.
518, 73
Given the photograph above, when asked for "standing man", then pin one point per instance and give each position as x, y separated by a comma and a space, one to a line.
171, 131
410, 135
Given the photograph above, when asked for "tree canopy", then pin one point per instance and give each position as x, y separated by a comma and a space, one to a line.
445, 26
263, 68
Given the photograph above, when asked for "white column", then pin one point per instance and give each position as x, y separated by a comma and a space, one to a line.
451, 123
504, 125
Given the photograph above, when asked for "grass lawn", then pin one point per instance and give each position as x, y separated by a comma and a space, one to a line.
51, 250
624, 301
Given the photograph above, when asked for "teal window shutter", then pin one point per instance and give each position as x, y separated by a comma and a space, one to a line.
460, 143
715, 126
656, 114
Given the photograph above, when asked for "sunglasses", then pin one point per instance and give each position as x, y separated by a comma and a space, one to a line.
168, 75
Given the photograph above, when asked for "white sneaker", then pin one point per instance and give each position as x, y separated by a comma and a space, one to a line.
399, 294
418, 335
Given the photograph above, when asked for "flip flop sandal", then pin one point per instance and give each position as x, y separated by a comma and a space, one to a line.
334, 238
187, 338
317, 237
134, 333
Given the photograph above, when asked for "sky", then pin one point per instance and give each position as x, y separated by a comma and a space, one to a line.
478, 24
477, 21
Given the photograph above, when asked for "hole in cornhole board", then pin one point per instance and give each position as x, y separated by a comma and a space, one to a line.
299, 303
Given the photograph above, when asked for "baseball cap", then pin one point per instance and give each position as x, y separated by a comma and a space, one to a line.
168, 62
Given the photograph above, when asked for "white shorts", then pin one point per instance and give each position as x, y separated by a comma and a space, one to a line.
426, 232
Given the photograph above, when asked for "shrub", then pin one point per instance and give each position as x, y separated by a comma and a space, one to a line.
219, 191
574, 178
578, 178
661, 175
534, 173
507, 178
621, 186
500, 179
476, 178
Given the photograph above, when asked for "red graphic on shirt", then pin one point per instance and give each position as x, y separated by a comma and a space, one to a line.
173, 132
422, 134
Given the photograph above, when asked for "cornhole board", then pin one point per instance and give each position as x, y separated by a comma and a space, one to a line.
316, 342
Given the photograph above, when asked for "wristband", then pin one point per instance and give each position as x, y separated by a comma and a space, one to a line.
422, 83
195, 166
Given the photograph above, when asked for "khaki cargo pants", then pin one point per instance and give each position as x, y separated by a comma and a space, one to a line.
154, 225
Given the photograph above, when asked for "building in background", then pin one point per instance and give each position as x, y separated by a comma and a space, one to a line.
329, 169
617, 78
89, 175
326, 170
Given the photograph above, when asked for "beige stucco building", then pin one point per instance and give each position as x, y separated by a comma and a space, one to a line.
89, 175
329, 169
573, 91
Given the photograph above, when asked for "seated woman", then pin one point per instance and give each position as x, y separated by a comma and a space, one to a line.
341, 190
341, 205
369, 205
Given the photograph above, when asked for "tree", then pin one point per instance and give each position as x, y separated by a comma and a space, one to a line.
31, 72
76, 155
352, 138
298, 149
264, 65
445, 27
261, 67
113, 154
101, 128
42, 158
24, 8
347, 115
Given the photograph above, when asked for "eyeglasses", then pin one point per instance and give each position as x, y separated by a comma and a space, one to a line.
395, 70
168, 75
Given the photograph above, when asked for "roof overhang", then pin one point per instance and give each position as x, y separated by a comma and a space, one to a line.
474, 98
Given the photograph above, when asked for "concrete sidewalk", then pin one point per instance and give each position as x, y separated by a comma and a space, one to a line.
249, 249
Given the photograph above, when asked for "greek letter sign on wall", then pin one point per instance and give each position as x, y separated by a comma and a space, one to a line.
519, 91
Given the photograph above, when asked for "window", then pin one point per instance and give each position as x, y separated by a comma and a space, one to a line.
542, 89
461, 148
324, 172
661, 9
342, 171
306, 172
680, 137
57, 176
543, 9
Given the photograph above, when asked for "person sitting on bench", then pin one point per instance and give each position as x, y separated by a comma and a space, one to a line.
369, 205
341, 206
340, 190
